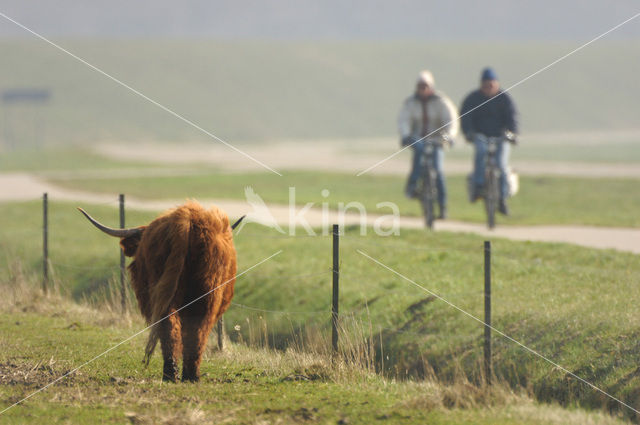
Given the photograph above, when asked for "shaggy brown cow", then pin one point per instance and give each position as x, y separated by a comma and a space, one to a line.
180, 256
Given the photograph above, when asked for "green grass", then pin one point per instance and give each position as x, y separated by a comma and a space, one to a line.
542, 200
21, 246
240, 385
572, 304
607, 149
272, 90
61, 159
605, 152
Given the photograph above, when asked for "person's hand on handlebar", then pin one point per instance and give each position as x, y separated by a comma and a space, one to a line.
511, 137
447, 140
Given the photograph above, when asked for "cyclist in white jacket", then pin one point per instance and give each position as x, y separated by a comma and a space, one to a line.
427, 114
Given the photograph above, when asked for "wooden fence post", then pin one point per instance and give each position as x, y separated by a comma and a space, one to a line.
123, 291
45, 242
336, 292
487, 312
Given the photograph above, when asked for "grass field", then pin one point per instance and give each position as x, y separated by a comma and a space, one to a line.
61, 159
572, 304
542, 200
410, 358
269, 90
607, 148
241, 385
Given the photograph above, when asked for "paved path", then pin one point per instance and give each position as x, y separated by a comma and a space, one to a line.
22, 187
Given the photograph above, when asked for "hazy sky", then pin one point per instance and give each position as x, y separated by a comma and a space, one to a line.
326, 19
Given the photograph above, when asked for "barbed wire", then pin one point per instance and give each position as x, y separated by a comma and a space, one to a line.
36, 231
300, 276
114, 202
76, 267
494, 255
262, 310
373, 325
405, 245
350, 273
304, 275
342, 317
279, 236
548, 263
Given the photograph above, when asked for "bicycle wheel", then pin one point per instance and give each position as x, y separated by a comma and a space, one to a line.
428, 198
491, 196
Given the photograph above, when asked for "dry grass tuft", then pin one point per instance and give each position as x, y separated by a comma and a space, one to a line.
22, 292
188, 416
309, 358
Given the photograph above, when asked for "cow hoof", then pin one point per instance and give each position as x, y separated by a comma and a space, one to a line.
192, 379
168, 378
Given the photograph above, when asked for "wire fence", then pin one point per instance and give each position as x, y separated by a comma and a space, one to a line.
71, 239
446, 283
321, 312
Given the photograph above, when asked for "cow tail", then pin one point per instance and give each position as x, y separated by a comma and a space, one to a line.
162, 294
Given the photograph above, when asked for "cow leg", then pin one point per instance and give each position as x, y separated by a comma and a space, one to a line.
171, 347
195, 333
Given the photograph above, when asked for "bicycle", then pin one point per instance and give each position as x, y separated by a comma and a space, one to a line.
491, 190
429, 191
492, 180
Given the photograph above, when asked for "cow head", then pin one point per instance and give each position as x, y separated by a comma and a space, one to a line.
130, 238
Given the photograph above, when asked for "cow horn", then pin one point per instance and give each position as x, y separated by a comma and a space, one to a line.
119, 233
234, 225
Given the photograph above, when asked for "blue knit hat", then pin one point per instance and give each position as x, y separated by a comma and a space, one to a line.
488, 74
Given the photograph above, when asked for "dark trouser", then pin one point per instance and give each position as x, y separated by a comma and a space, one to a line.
502, 157
417, 171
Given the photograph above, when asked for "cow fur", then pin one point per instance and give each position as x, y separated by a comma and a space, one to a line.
180, 256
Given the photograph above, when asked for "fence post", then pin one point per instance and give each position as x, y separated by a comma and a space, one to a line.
336, 276
45, 242
487, 311
221, 334
123, 291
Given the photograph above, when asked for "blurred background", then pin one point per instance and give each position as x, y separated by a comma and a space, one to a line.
313, 72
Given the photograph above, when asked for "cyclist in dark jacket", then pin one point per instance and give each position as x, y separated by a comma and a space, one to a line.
489, 111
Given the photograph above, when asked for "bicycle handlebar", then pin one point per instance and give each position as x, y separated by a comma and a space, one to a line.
440, 140
509, 137
492, 139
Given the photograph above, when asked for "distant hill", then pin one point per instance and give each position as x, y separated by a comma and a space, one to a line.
325, 19
259, 90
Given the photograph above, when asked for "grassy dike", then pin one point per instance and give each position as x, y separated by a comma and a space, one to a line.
44, 338
572, 304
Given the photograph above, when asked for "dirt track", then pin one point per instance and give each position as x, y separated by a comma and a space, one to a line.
22, 187
333, 156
